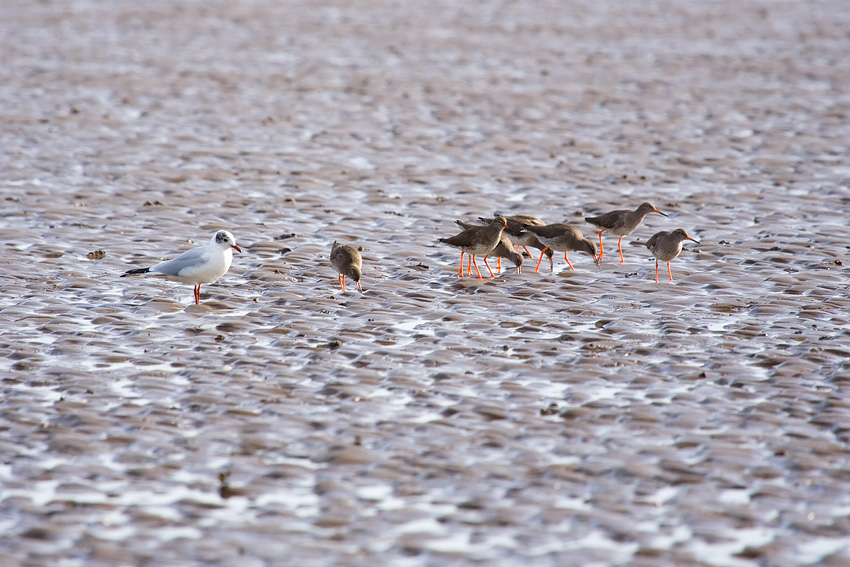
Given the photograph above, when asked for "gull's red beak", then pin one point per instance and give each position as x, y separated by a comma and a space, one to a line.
237, 248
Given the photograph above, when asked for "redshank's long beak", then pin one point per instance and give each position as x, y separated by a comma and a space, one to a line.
692, 240
660, 213
237, 248
597, 261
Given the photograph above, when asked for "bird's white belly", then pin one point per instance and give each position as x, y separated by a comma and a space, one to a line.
203, 272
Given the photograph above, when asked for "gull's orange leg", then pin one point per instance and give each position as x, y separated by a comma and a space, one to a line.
537, 269
620, 248
568, 262
601, 249
474, 263
669, 272
488, 267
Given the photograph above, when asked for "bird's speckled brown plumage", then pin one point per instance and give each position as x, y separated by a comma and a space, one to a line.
666, 245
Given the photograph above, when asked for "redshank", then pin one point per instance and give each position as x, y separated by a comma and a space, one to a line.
347, 262
504, 249
478, 240
666, 245
520, 237
563, 238
621, 223
197, 266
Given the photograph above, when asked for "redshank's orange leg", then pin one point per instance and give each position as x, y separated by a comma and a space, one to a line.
498, 265
474, 263
620, 248
601, 249
526, 251
656, 271
669, 272
197, 294
469, 264
488, 267
568, 262
537, 269
343, 282
460, 271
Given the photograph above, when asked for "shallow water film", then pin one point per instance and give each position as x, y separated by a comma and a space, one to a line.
587, 417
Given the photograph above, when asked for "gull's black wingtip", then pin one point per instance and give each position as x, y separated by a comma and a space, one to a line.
136, 272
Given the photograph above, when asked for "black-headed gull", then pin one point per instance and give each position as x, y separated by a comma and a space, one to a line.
197, 266
347, 261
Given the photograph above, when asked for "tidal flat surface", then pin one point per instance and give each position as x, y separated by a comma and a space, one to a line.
565, 418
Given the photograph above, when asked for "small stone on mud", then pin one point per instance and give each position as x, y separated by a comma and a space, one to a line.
551, 409
96, 255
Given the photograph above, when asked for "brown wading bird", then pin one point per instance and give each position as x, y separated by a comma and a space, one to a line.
563, 238
347, 262
666, 245
621, 223
478, 240
201, 265
520, 237
504, 249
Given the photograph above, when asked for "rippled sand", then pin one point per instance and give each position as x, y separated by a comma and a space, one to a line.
571, 418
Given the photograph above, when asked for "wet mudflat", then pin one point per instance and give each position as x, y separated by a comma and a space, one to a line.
587, 417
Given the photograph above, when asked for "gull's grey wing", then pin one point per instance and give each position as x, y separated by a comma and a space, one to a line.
187, 260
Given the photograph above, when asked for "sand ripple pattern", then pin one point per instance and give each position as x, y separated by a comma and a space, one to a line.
567, 419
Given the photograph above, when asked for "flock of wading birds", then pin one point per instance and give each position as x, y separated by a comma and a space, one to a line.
500, 236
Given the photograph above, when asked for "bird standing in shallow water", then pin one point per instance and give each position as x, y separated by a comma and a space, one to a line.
197, 266
504, 249
666, 245
520, 237
563, 238
478, 240
347, 262
622, 223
